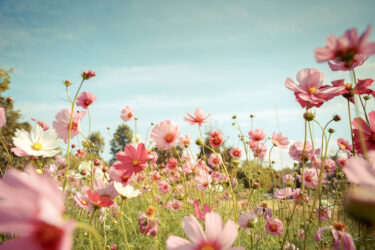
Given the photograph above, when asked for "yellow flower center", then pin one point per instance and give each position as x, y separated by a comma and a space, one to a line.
169, 138
207, 247
84, 202
313, 90
343, 146
273, 227
37, 146
135, 163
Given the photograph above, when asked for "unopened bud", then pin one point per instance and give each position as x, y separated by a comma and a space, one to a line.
331, 130
309, 115
199, 142
336, 118
67, 83
366, 97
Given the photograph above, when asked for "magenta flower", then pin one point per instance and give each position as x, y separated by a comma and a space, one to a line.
257, 135
279, 140
341, 239
217, 236
346, 52
341, 161
236, 152
3, 119
360, 171
85, 99
133, 160
274, 226
62, 123
86, 75
344, 145
324, 213
216, 139
310, 92
148, 225
127, 114
198, 118
164, 187
165, 134
32, 207
368, 133
201, 214
361, 88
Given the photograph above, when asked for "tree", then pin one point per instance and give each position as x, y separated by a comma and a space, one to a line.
96, 143
121, 138
12, 124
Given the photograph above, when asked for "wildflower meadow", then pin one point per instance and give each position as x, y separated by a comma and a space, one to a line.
176, 191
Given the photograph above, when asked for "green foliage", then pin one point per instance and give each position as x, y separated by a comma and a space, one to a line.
4, 79
121, 138
97, 143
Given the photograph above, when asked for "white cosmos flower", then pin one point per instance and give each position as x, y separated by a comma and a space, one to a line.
126, 192
37, 142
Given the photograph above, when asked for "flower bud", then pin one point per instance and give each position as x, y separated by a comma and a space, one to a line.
309, 115
199, 142
67, 83
366, 97
336, 118
331, 130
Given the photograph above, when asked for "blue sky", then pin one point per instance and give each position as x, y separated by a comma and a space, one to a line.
165, 58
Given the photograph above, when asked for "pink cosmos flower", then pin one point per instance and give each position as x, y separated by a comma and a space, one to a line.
203, 181
172, 163
164, 187
175, 205
42, 124
120, 175
247, 220
310, 92
283, 193
86, 75
217, 236
62, 123
257, 135
3, 119
165, 134
148, 225
279, 140
274, 226
127, 114
214, 160
85, 99
297, 151
260, 150
201, 214
288, 179
32, 207
184, 141
198, 118
361, 88
324, 213
133, 160
330, 166
368, 133
312, 177
236, 152
344, 145
342, 161
346, 52
360, 171
341, 239
300, 198
216, 139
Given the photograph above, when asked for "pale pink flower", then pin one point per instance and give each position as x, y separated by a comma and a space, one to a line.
279, 140
32, 207
42, 124
165, 134
127, 114
247, 220
288, 179
3, 119
217, 236
133, 160
257, 135
324, 213
85, 99
347, 51
214, 160
120, 175
175, 205
298, 151
311, 177
203, 181
236, 152
164, 187
360, 171
274, 226
300, 198
368, 133
344, 145
172, 163
283, 193
216, 139
289, 246
260, 150
341, 239
201, 214
184, 141
342, 161
62, 123
86, 75
330, 166
198, 118
310, 92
